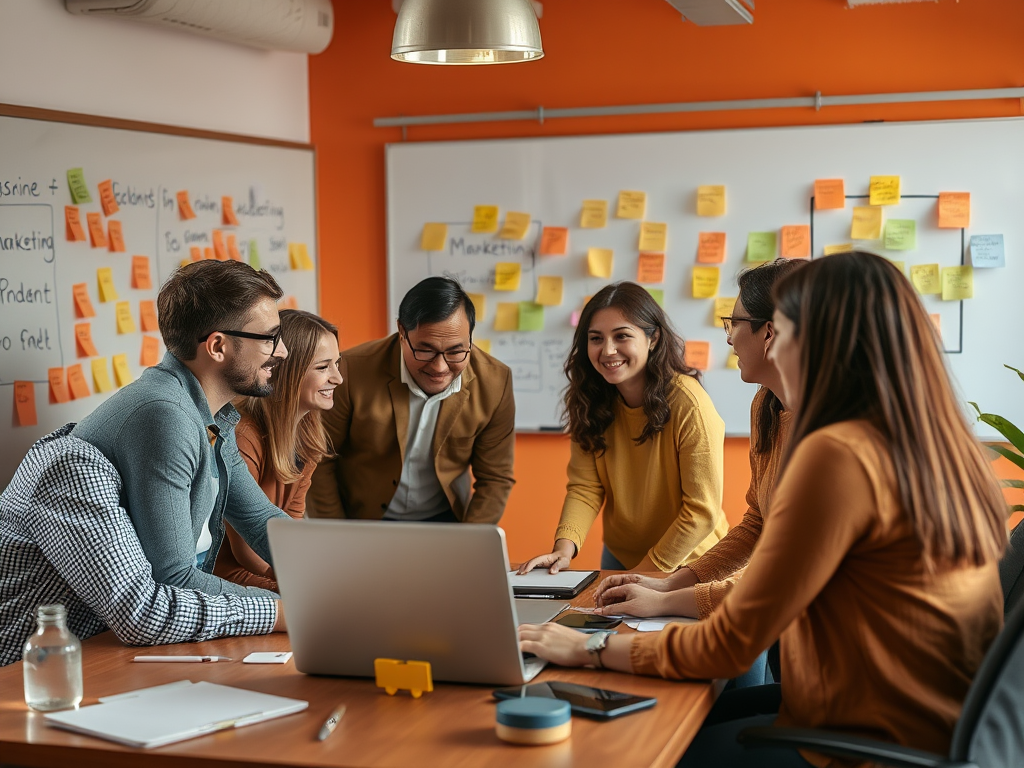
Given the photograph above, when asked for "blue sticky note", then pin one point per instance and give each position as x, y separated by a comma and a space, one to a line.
987, 251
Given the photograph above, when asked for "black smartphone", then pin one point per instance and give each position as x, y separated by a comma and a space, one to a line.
583, 699
586, 622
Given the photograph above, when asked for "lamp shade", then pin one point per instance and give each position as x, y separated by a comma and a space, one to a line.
466, 32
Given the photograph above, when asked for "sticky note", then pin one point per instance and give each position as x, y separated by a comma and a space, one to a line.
653, 236
711, 200
140, 273
632, 205
732, 362
298, 256
658, 294
900, 235
208, 254
723, 308
76, 382
293, 256
233, 251
711, 247
761, 246
705, 282
83, 305
150, 351
840, 248
987, 251
796, 241
105, 278
122, 375
507, 316
549, 291
84, 345
434, 236
599, 262
123, 314
254, 254
485, 218
73, 224
195, 253
925, 278
829, 194
957, 283
554, 241
954, 210
651, 268
79, 189
100, 378
867, 223
115, 237
531, 316
25, 403
937, 324
900, 265
507, 275
107, 199
58, 385
220, 248
97, 237
697, 354
483, 345
574, 319
227, 210
594, 214
515, 227
884, 190
479, 304
147, 316
184, 206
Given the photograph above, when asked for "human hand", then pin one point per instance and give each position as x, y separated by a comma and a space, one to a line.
279, 625
557, 560
632, 599
555, 643
620, 579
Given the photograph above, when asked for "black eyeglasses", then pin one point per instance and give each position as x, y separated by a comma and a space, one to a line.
274, 337
729, 322
429, 355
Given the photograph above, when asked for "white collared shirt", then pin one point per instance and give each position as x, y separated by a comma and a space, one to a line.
419, 494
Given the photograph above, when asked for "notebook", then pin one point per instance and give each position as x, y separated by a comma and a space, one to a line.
540, 583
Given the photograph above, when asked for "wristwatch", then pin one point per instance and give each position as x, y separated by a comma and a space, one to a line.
596, 643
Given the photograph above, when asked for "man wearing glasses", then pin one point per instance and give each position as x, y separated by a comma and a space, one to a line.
418, 411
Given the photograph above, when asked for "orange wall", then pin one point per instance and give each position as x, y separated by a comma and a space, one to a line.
609, 52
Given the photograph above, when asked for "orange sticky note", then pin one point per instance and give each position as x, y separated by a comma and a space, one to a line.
140, 273
651, 268
937, 322
147, 316
288, 302
73, 224
122, 374
711, 248
698, 354
195, 253
954, 210
150, 351
107, 199
83, 340
123, 313
115, 236
76, 382
796, 241
554, 241
58, 386
105, 278
227, 207
25, 403
233, 251
100, 377
220, 250
97, 238
829, 194
83, 305
208, 253
184, 206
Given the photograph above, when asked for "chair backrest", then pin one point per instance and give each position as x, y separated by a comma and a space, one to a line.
1011, 570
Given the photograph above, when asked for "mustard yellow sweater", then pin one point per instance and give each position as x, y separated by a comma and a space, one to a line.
662, 498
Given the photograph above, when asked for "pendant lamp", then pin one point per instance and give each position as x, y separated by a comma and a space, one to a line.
466, 32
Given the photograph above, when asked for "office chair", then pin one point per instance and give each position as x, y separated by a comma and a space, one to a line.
1011, 570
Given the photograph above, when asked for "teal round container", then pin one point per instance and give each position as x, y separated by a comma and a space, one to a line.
533, 720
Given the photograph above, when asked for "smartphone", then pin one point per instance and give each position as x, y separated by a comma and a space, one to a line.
586, 622
583, 699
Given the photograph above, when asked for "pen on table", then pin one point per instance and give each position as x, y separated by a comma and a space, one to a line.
332, 722
181, 658
538, 597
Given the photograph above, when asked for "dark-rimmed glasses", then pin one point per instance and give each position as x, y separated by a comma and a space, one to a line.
730, 321
429, 355
274, 337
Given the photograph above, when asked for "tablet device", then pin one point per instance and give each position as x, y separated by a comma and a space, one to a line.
583, 699
554, 586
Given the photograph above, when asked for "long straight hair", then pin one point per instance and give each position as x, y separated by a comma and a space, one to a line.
589, 402
274, 416
869, 351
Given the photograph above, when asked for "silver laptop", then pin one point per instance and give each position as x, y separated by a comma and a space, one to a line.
355, 591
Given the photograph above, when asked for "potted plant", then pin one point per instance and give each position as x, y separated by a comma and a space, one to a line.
1014, 436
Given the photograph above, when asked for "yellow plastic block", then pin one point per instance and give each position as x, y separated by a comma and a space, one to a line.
394, 675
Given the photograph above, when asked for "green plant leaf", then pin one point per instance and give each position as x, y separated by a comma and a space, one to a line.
1012, 483
1017, 508
1005, 428
1013, 456
975, 407
1019, 373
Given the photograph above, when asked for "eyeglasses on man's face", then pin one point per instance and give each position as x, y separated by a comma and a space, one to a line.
729, 322
453, 357
266, 338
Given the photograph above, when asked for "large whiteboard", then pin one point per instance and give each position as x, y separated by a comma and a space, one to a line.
273, 195
769, 176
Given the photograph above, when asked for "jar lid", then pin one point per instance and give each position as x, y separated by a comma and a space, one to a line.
533, 712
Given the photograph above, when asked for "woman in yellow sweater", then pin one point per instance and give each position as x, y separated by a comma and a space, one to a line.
647, 442
878, 559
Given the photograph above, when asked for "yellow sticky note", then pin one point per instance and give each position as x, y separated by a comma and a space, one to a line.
653, 236
105, 277
122, 375
723, 308
900, 265
632, 205
549, 290
507, 275
100, 377
123, 312
651, 268
867, 223
515, 227
705, 282
957, 283
298, 257
506, 318
711, 200
485, 218
884, 190
483, 345
732, 362
925, 278
796, 241
479, 304
594, 214
599, 262
434, 237
840, 248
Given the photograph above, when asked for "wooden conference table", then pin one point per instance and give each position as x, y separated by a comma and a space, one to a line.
452, 726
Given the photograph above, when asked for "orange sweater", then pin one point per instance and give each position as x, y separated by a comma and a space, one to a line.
872, 644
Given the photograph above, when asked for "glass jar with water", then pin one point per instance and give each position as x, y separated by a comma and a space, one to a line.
53, 663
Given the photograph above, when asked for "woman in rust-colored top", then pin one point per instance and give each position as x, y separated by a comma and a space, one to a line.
878, 559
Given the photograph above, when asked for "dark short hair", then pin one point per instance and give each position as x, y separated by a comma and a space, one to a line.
206, 296
433, 300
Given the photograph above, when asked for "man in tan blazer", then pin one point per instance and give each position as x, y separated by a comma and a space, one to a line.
418, 414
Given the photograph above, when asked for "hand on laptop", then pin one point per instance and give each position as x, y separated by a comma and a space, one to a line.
557, 560
555, 643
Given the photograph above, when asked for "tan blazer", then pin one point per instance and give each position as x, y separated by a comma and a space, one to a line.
369, 425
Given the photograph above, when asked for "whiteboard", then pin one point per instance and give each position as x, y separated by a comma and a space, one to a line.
769, 176
272, 189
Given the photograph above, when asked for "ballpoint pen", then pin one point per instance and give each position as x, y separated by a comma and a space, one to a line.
332, 722
180, 658
537, 597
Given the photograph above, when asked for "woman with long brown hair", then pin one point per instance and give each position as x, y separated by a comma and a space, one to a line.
281, 437
878, 563
647, 443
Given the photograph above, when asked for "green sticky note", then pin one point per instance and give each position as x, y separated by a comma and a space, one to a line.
761, 246
79, 189
254, 255
900, 235
531, 316
658, 294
